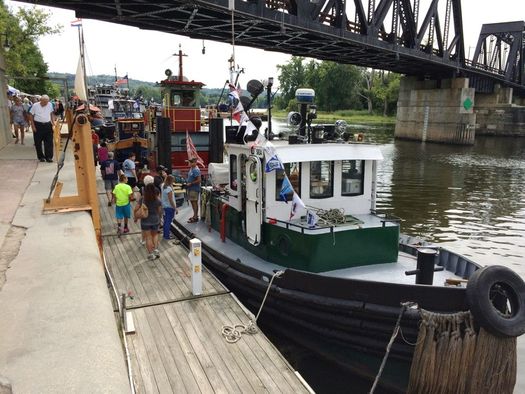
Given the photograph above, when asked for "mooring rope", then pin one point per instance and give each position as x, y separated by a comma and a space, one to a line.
397, 328
232, 333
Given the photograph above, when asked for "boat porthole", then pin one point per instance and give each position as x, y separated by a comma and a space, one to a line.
253, 171
283, 245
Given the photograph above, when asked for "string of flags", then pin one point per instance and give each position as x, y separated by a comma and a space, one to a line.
273, 162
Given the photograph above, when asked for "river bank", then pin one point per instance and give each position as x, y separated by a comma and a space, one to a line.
350, 116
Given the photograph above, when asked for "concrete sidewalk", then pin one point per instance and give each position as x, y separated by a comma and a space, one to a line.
57, 328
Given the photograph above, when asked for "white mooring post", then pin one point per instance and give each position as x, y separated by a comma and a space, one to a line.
196, 266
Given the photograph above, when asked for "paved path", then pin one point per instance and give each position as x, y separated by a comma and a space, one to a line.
57, 328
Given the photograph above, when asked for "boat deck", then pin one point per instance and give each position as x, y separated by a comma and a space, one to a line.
390, 272
178, 346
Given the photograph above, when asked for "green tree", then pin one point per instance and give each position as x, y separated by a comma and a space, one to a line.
25, 66
292, 76
337, 86
385, 90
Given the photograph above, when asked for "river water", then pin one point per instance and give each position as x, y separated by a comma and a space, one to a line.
470, 199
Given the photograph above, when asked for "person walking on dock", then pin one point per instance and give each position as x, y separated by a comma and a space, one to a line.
150, 224
18, 118
169, 206
42, 119
123, 195
129, 170
109, 169
193, 187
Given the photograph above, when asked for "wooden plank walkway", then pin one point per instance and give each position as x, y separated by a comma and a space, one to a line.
178, 346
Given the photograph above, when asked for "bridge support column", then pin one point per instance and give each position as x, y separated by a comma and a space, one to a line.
497, 115
436, 111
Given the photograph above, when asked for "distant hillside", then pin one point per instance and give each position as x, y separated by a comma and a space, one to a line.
137, 88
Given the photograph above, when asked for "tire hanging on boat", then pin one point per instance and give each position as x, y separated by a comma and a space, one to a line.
495, 295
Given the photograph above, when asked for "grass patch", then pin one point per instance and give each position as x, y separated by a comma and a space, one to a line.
350, 116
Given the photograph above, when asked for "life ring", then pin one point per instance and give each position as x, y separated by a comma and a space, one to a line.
496, 297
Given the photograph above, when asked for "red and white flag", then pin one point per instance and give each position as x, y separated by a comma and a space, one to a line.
192, 151
238, 113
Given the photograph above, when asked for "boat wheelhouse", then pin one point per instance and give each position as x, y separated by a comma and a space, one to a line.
181, 106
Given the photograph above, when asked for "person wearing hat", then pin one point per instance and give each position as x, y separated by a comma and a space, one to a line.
193, 188
42, 119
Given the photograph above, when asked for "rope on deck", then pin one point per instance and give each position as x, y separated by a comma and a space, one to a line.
232, 333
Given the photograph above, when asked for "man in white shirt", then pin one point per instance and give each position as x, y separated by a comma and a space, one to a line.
42, 120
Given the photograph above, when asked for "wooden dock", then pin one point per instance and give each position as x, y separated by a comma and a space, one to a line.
178, 346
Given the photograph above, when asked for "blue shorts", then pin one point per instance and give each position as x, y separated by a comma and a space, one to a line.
123, 211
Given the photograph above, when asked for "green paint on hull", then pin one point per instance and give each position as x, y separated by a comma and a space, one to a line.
314, 252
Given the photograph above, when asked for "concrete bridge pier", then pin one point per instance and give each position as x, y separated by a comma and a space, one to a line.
499, 114
436, 111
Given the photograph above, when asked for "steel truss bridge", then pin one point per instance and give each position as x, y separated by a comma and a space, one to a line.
413, 37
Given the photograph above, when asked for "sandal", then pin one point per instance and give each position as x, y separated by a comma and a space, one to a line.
193, 220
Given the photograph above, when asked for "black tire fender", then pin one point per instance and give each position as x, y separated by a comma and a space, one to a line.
496, 297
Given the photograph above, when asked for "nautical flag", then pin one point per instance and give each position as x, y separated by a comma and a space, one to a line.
192, 151
238, 110
80, 86
286, 188
76, 23
273, 163
122, 80
297, 203
311, 218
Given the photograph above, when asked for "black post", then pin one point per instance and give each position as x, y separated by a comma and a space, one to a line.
302, 125
164, 142
268, 131
216, 139
425, 266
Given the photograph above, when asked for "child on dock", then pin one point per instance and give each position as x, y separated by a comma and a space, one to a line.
150, 224
122, 194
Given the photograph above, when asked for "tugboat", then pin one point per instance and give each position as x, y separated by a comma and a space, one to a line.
294, 223
182, 115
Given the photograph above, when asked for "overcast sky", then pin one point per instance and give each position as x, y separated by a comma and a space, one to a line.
144, 55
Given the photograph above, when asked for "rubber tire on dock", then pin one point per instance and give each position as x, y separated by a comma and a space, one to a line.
483, 288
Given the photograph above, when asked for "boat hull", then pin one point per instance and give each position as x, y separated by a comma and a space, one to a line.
346, 321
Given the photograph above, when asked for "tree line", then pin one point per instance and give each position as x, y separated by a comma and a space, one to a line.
338, 86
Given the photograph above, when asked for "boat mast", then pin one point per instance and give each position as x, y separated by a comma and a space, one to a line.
180, 63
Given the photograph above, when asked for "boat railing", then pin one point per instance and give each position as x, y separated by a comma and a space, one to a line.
385, 217
288, 224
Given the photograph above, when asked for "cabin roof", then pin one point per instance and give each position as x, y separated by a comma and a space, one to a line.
319, 152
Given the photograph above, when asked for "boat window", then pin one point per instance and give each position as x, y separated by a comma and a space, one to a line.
352, 177
175, 99
321, 179
233, 172
293, 171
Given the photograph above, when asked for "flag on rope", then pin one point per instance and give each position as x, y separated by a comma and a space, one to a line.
192, 151
286, 188
238, 113
122, 80
273, 163
297, 203
76, 23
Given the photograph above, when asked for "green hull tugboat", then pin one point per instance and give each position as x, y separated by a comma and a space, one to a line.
298, 218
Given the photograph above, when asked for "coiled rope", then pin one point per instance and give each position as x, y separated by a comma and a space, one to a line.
232, 333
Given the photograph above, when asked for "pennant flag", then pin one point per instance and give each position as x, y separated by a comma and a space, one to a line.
311, 218
238, 113
273, 163
286, 188
76, 23
122, 80
80, 86
297, 203
192, 151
